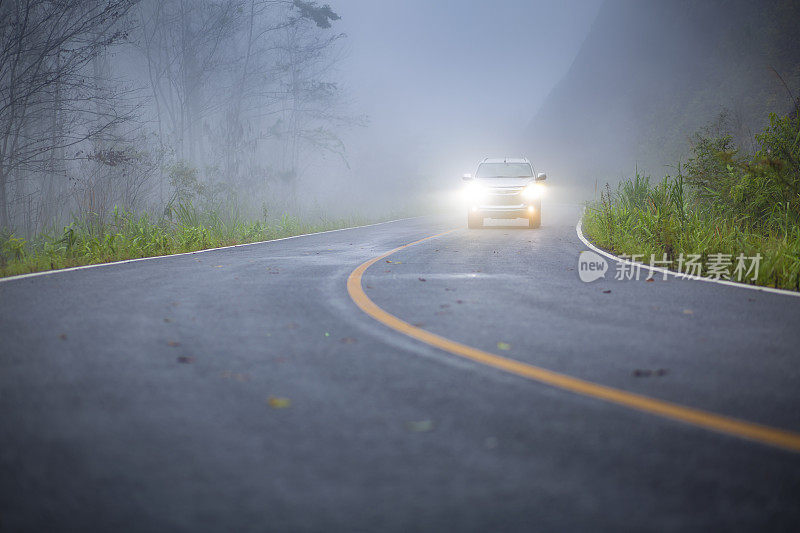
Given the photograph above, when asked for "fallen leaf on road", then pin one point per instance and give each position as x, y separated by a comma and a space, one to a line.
348, 340
217, 266
422, 279
645, 373
688, 312
649, 279
173, 343
185, 359
388, 261
278, 403
503, 346
607, 291
420, 426
327, 334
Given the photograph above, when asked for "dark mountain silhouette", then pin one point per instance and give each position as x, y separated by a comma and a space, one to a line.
650, 74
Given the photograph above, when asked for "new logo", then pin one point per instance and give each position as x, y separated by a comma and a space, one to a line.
591, 266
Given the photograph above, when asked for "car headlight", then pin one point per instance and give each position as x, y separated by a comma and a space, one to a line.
473, 192
533, 191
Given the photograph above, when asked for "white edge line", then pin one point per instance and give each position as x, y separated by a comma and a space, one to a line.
95, 265
578, 229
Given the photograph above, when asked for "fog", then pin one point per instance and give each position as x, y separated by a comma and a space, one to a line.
650, 75
445, 84
259, 108
264, 107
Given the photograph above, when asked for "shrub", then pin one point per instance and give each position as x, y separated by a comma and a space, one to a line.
722, 201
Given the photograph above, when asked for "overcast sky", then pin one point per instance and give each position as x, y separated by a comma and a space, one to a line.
446, 82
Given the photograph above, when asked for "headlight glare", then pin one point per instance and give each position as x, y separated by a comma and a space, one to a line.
473, 192
533, 191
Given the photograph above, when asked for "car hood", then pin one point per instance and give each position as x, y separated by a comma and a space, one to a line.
505, 182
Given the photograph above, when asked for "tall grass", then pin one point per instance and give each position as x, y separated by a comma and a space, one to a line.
721, 202
89, 239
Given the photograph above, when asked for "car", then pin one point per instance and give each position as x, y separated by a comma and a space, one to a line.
505, 188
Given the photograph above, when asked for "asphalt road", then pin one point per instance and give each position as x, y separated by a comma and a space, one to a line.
243, 390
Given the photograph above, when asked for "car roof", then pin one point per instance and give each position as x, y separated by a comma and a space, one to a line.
505, 160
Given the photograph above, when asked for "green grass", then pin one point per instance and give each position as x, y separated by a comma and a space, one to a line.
721, 202
89, 240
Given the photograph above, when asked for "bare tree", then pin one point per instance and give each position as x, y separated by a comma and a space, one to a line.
251, 93
183, 43
282, 96
46, 47
238, 90
308, 100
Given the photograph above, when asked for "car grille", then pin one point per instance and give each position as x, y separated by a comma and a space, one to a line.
509, 196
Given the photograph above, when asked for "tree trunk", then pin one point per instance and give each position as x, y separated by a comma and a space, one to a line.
4, 222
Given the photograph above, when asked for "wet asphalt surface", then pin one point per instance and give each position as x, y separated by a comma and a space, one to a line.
242, 390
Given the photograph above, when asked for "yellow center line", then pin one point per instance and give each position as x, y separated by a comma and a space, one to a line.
697, 417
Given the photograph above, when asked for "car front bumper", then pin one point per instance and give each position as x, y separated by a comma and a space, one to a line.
507, 211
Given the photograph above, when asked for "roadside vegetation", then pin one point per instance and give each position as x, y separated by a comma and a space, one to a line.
724, 200
90, 239
196, 216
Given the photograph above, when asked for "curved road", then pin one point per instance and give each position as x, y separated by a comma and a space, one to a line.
243, 389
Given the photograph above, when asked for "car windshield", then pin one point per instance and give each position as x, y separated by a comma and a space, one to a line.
504, 170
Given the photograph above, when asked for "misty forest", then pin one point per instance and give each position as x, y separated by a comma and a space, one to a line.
166, 110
